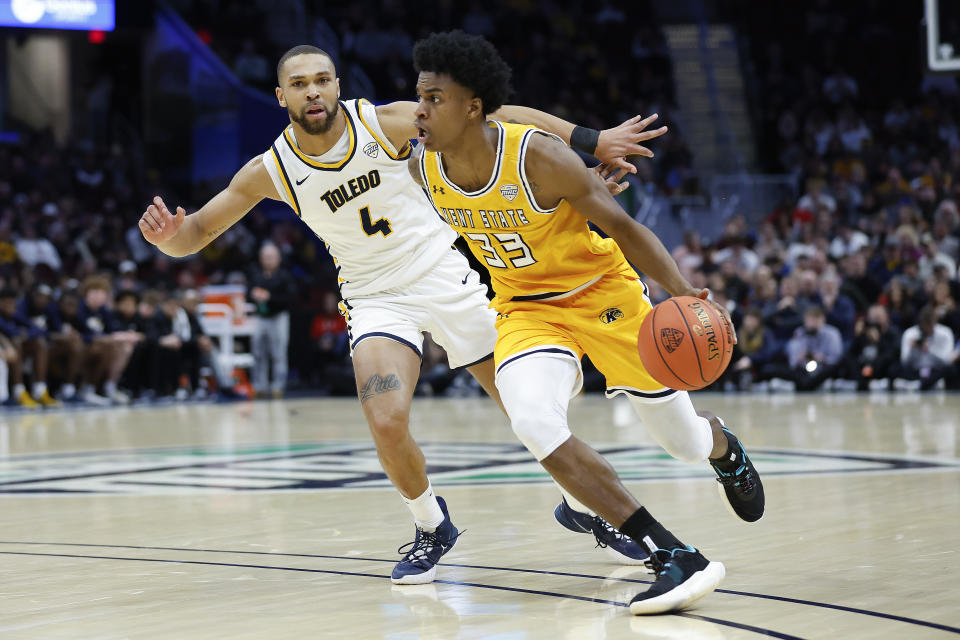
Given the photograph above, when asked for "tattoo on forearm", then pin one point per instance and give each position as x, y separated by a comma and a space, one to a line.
216, 232
376, 385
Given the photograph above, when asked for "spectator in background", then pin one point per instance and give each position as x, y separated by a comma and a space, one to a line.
847, 241
838, 307
128, 322
107, 352
272, 289
689, 255
65, 344
783, 315
813, 352
945, 307
30, 343
331, 346
899, 305
816, 197
251, 67
199, 348
756, 348
926, 350
34, 250
875, 352
181, 353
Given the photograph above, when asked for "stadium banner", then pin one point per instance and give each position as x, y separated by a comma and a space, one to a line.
59, 14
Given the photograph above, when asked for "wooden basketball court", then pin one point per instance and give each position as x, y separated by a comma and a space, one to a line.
272, 520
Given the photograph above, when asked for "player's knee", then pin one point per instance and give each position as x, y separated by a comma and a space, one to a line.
541, 435
389, 426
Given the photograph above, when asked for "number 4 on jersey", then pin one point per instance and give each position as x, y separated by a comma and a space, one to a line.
372, 228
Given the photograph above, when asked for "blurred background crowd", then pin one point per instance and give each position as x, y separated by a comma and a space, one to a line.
847, 280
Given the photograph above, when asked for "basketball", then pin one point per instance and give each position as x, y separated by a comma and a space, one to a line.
685, 343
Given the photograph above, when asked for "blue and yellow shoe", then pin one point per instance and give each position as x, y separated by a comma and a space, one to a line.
684, 576
740, 485
419, 564
618, 546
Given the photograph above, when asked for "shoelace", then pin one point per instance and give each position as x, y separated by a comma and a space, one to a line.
607, 529
422, 545
741, 477
661, 559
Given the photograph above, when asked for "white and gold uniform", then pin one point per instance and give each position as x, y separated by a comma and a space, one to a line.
397, 270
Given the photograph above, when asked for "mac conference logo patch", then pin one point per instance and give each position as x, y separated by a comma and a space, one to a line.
671, 338
372, 149
510, 191
610, 315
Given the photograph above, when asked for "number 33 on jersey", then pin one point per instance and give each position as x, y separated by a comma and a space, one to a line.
527, 249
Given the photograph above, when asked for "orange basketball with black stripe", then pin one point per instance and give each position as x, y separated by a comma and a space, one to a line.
685, 343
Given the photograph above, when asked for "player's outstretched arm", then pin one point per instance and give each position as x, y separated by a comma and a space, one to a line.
180, 235
611, 146
555, 173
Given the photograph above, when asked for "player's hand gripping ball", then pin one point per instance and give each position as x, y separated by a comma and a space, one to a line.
685, 343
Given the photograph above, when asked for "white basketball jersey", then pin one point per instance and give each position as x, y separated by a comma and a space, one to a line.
359, 198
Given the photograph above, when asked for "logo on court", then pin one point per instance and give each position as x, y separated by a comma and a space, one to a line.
671, 338
510, 191
372, 149
610, 315
353, 464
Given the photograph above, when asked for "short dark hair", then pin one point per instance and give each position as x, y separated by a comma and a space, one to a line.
470, 60
298, 50
128, 293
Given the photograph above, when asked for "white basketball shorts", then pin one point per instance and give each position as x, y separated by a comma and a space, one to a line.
448, 301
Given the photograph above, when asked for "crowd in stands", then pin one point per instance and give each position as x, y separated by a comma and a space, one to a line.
853, 284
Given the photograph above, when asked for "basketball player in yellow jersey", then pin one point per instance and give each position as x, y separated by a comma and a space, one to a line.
522, 200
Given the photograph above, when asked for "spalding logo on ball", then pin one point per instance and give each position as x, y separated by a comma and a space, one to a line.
685, 343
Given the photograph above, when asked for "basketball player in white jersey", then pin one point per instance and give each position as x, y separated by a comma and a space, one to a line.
341, 167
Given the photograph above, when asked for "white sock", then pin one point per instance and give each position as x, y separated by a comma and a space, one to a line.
67, 391
575, 504
425, 509
18, 389
109, 388
4, 372
39, 388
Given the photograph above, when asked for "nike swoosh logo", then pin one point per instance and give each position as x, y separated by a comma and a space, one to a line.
300, 182
465, 279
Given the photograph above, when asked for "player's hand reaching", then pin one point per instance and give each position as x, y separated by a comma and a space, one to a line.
157, 224
611, 177
614, 145
705, 295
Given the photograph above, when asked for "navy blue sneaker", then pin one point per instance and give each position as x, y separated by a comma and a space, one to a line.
740, 485
684, 576
618, 546
419, 564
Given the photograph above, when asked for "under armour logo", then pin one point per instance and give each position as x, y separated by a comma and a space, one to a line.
436, 188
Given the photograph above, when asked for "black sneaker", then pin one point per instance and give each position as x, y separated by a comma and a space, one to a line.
740, 485
684, 576
419, 564
618, 546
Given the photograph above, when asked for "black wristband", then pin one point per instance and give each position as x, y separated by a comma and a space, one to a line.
585, 139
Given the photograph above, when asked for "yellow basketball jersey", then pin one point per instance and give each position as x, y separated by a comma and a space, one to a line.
530, 252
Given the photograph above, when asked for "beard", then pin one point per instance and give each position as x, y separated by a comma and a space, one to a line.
315, 127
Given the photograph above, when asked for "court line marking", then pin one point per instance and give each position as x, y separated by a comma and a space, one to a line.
811, 603
553, 594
